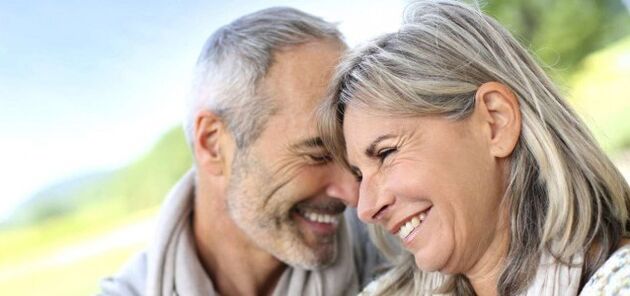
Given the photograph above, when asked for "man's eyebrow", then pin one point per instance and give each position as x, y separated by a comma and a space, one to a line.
371, 150
315, 142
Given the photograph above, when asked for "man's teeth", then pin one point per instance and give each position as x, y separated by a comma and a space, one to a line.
408, 227
321, 218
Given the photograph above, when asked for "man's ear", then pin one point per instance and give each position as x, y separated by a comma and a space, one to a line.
502, 113
209, 147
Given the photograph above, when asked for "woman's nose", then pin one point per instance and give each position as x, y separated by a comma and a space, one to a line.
374, 203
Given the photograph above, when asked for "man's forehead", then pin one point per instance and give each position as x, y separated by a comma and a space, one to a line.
299, 75
296, 83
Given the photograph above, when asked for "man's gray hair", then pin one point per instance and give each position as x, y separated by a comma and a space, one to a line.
235, 59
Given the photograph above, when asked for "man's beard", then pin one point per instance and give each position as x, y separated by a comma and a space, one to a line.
272, 227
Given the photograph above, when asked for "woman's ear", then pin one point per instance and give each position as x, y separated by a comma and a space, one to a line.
209, 147
501, 111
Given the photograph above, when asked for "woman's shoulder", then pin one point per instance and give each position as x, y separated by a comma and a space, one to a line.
613, 277
373, 286
424, 284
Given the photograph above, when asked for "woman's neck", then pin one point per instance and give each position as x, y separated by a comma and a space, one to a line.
484, 275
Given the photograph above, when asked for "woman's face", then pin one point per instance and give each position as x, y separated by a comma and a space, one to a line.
431, 181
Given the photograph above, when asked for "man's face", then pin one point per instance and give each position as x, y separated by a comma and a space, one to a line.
284, 192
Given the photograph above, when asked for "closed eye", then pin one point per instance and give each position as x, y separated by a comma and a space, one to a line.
318, 159
385, 152
358, 176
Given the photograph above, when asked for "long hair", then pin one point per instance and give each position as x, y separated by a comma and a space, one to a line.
564, 195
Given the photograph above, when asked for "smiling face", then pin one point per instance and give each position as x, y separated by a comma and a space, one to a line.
284, 193
431, 181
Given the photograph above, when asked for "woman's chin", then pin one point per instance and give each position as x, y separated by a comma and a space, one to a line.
429, 262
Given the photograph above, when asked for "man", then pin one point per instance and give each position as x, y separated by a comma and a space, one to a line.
261, 213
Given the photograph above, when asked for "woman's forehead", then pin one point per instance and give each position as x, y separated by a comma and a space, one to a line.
363, 124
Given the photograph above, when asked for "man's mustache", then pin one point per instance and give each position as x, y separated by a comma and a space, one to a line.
331, 206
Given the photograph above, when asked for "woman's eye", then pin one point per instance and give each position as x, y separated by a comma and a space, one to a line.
383, 153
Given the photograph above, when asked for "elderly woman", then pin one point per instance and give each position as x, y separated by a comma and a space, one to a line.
470, 161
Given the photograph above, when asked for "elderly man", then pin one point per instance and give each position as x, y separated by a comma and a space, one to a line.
261, 213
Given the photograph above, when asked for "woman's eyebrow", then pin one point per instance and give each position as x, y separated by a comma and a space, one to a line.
371, 150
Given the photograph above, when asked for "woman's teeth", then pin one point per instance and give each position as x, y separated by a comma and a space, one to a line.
321, 218
408, 227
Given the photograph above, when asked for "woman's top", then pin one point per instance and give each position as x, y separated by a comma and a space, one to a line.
611, 279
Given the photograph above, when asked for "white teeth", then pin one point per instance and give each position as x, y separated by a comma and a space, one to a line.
321, 218
415, 221
408, 227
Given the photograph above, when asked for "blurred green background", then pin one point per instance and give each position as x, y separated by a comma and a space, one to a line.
68, 236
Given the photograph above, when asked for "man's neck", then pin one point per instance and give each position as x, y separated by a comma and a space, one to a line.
235, 265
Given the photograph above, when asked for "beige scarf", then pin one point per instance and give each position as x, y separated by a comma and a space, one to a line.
174, 268
554, 278
551, 279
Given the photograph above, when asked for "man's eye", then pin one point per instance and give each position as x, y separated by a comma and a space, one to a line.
358, 176
319, 159
385, 152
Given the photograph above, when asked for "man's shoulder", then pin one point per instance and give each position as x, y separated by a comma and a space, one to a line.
133, 276
130, 280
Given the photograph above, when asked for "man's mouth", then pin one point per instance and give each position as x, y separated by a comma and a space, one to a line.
314, 216
321, 220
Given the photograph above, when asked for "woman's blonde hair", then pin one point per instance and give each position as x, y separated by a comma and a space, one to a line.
564, 195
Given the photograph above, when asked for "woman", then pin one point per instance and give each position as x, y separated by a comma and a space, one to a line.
470, 161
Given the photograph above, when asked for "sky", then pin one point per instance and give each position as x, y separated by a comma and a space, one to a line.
88, 86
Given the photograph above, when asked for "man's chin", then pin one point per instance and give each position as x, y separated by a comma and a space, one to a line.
315, 258
305, 249
318, 240
295, 245
326, 257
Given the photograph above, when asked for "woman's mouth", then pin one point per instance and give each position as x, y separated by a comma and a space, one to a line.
410, 224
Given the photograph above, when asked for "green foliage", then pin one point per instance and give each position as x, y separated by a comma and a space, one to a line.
139, 186
600, 95
145, 183
37, 259
58, 200
78, 278
562, 32
83, 210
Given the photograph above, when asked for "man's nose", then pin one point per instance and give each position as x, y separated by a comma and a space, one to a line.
342, 185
